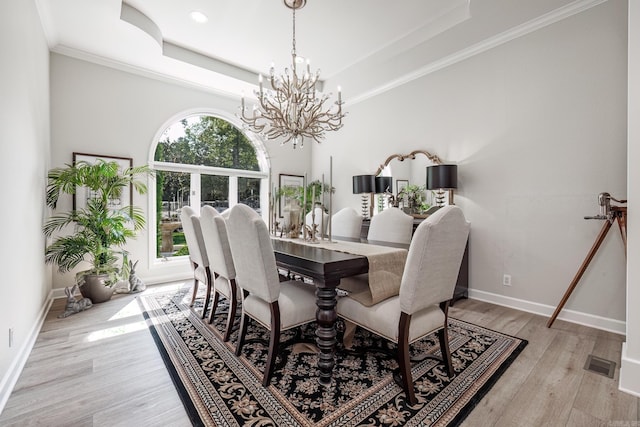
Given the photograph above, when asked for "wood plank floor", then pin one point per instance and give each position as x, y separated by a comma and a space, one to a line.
102, 368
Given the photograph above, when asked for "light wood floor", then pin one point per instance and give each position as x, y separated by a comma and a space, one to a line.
102, 368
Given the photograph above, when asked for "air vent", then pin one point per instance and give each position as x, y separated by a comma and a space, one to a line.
600, 366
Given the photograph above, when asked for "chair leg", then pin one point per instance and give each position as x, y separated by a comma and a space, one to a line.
233, 303
195, 284
241, 333
403, 358
443, 336
214, 305
207, 298
216, 298
274, 341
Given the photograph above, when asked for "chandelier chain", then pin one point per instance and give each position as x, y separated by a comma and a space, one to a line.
293, 49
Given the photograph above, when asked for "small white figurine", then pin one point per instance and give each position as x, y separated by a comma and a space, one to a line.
135, 283
73, 305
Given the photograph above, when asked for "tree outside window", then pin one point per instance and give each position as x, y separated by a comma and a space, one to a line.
201, 160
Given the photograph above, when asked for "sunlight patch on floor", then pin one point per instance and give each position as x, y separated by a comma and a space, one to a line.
116, 331
131, 309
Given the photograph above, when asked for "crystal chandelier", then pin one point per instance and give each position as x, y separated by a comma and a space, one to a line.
291, 108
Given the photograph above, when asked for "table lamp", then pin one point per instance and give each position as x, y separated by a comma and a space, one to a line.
440, 178
364, 185
384, 184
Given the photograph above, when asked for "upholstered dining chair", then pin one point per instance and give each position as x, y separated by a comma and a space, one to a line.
346, 223
275, 305
216, 242
391, 225
427, 286
197, 254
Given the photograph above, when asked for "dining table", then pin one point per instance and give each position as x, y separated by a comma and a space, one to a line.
326, 267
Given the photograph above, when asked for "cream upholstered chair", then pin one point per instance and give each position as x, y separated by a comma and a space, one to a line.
276, 305
321, 219
216, 242
346, 223
428, 283
197, 253
391, 225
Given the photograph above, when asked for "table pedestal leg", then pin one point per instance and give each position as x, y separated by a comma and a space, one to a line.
326, 331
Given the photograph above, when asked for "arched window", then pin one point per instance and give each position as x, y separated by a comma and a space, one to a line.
203, 159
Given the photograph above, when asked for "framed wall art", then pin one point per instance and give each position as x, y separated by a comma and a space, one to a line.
400, 185
291, 181
83, 193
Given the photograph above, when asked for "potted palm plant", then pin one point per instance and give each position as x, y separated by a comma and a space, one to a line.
100, 229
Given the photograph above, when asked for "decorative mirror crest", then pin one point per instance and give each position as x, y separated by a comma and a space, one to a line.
411, 156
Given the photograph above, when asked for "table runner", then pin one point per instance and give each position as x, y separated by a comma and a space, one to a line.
386, 265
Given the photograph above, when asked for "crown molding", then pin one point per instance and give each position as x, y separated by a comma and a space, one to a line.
542, 21
140, 71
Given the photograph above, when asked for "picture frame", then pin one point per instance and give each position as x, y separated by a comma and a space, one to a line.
287, 180
82, 194
400, 185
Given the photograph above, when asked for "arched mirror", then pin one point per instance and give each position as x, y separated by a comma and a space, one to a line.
408, 190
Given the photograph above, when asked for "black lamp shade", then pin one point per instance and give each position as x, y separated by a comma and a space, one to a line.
442, 177
364, 184
384, 184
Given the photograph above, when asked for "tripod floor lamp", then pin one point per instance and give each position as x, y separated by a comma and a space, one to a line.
610, 214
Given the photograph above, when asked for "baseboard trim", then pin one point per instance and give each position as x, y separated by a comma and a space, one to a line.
10, 379
629, 374
159, 279
580, 318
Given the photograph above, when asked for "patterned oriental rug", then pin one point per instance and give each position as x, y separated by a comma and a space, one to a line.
220, 389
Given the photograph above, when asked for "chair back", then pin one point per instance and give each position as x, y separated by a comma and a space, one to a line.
216, 242
391, 225
320, 216
346, 223
193, 236
433, 262
253, 257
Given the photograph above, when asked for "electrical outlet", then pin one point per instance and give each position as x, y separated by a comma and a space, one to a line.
10, 337
506, 280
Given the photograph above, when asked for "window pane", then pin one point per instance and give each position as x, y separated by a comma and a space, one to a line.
208, 141
172, 193
249, 192
214, 191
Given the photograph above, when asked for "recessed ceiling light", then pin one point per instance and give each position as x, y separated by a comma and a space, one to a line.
198, 17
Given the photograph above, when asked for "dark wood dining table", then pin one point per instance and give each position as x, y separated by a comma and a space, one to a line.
326, 268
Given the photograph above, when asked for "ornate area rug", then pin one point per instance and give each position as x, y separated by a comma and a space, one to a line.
220, 389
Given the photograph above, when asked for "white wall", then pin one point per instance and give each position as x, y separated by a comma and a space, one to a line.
24, 153
101, 110
537, 126
630, 367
